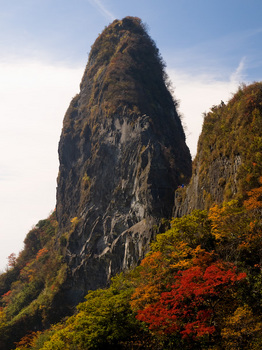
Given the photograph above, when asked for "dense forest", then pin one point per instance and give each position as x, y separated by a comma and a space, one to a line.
198, 288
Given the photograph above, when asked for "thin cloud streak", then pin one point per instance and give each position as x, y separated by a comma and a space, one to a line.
198, 93
102, 9
238, 75
205, 56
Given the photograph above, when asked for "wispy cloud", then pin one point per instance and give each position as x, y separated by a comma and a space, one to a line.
238, 75
102, 9
197, 93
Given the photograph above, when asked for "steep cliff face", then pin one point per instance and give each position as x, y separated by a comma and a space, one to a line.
122, 154
228, 161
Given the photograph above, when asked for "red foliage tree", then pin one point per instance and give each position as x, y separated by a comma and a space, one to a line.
7, 297
190, 306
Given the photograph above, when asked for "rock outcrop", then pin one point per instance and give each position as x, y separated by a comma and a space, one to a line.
228, 161
122, 155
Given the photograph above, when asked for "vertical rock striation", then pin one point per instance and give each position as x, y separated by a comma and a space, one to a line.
122, 155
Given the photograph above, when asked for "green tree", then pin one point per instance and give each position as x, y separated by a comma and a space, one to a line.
104, 321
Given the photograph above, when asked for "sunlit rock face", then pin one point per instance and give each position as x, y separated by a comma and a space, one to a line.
122, 155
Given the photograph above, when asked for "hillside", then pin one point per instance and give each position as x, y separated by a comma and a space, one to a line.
228, 161
198, 288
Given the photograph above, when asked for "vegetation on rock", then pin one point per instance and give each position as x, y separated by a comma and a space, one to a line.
30, 288
228, 161
234, 129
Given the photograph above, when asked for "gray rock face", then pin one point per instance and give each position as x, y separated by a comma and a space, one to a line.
121, 159
221, 175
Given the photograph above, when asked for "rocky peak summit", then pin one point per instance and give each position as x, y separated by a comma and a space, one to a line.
122, 154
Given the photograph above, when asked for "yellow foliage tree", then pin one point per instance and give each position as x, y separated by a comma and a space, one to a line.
242, 330
227, 220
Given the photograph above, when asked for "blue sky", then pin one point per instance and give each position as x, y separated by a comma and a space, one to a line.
209, 46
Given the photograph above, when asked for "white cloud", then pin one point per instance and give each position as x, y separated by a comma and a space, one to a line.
33, 98
102, 9
198, 93
237, 76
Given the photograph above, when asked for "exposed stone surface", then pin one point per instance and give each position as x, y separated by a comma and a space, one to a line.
202, 194
122, 155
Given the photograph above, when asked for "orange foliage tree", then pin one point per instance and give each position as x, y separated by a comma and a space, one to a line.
27, 341
158, 268
254, 200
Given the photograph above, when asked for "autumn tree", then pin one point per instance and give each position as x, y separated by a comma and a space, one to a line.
237, 231
12, 260
242, 330
158, 268
254, 201
176, 249
104, 321
193, 229
27, 342
193, 304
